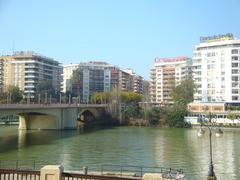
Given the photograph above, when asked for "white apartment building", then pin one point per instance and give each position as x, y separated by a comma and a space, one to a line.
216, 69
165, 73
66, 84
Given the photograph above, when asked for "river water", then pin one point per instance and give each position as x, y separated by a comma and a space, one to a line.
141, 146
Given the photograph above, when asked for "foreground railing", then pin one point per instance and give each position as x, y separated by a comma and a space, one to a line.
139, 171
73, 176
26, 170
9, 174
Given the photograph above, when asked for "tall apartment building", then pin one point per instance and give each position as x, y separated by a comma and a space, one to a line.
135, 81
27, 69
165, 73
216, 69
66, 84
125, 81
1, 75
95, 76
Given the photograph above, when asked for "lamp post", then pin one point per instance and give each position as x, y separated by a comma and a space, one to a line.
211, 174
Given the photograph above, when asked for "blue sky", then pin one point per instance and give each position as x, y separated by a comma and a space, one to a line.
127, 33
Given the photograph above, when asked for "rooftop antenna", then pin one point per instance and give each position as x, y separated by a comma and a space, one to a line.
13, 46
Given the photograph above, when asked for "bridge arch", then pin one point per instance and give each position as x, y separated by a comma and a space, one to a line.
35, 120
87, 117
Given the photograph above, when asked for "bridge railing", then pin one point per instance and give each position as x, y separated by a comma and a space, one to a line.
9, 106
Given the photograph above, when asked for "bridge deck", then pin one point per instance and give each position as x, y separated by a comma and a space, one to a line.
47, 106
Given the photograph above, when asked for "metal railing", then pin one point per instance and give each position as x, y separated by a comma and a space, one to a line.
14, 169
139, 171
9, 174
21, 164
73, 176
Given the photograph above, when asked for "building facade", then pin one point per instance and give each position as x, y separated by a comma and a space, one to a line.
216, 69
94, 76
132, 81
27, 69
166, 73
1, 75
97, 76
66, 85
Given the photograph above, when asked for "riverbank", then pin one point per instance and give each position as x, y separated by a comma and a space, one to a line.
222, 127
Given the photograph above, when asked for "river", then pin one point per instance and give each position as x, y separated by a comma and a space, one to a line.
142, 146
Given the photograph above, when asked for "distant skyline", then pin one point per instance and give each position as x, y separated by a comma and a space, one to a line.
126, 33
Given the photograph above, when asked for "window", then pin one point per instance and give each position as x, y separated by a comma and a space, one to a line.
211, 66
234, 51
235, 78
234, 91
234, 64
234, 98
234, 84
234, 71
235, 58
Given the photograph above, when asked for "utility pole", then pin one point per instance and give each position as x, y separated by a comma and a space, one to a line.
50, 99
60, 98
119, 103
45, 97
10, 97
69, 98
28, 98
39, 98
7, 98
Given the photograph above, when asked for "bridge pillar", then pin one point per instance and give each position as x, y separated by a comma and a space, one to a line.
22, 122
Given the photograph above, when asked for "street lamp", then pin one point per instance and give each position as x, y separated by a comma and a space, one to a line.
218, 133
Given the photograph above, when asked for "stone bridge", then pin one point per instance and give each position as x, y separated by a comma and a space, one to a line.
54, 116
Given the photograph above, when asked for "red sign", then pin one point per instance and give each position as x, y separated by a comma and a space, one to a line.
172, 59
98, 62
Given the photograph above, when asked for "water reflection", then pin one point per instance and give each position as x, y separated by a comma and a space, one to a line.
21, 138
176, 148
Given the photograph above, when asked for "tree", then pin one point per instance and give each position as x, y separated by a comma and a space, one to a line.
101, 97
44, 88
12, 95
15, 94
175, 114
76, 82
184, 92
3, 97
131, 111
131, 97
153, 116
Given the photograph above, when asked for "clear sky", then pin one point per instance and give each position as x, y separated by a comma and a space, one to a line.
127, 33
